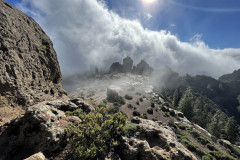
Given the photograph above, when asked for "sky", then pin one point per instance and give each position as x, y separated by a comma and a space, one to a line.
194, 37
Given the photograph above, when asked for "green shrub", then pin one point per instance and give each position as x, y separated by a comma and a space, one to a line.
222, 156
42, 48
211, 147
141, 99
152, 105
136, 113
182, 126
130, 129
165, 114
203, 140
128, 97
144, 116
102, 105
79, 113
207, 157
137, 103
154, 119
97, 134
112, 109
189, 145
130, 106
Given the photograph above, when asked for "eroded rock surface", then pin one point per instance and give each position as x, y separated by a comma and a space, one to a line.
29, 67
154, 141
41, 129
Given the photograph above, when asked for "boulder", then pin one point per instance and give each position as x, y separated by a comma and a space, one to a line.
83, 105
127, 64
63, 105
37, 156
41, 129
116, 67
153, 142
29, 67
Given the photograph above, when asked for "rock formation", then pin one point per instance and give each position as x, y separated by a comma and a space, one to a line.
142, 68
116, 67
127, 64
29, 67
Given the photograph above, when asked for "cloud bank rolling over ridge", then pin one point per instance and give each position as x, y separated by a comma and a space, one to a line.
86, 34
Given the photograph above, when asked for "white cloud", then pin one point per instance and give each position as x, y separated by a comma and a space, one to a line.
86, 34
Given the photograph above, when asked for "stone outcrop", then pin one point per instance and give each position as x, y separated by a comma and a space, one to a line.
153, 141
127, 64
116, 67
41, 129
142, 68
29, 67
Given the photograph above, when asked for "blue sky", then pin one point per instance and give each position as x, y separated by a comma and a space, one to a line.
218, 21
190, 36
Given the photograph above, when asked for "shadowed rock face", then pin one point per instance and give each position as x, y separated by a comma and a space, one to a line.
127, 64
29, 67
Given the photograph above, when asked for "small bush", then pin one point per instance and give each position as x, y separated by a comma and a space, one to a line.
136, 113
42, 48
152, 105
203, 140
144, 116
112, 109
221, 156
130, 129
130, 106
207, 157
139, 94
137, 103
182, 126
189, 145
211, 147
141, 99
154, 119
128, 97
102, 105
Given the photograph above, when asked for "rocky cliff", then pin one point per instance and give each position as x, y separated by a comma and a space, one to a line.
29, 67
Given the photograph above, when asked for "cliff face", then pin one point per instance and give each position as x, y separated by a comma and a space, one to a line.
29, 67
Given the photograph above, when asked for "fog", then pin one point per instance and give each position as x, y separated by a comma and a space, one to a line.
87, 35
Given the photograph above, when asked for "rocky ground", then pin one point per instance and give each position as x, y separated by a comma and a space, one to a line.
156, 111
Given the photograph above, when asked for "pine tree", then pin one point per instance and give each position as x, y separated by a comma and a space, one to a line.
200, 114
232, 129
214, 127
175, 98
185, 104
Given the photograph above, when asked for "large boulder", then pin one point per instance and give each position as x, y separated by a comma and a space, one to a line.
153, 141
127, 64
116, 67
41, 129
29, 67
